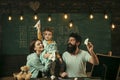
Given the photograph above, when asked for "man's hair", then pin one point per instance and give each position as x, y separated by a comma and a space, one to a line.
76, 36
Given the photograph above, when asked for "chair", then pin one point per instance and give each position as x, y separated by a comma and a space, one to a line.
108, 67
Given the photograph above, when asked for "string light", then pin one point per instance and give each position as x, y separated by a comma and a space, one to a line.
49, 18
9, 17
71, 24
113, 26
105, 16
10, 12
65, 16
35, 16
91, 16
21, 17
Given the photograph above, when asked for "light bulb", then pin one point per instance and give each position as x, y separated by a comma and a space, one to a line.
113, 26
91, 16
71, 24
106, 16
21, 18
49, 18
35, 17
9, 18
65, 16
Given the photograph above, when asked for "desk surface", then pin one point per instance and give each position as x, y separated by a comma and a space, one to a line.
82, 78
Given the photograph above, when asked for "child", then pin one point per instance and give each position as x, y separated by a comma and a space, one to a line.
50, 46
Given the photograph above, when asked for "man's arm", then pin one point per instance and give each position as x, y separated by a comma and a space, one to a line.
94, 59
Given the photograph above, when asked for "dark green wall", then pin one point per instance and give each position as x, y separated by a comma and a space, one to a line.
16, 34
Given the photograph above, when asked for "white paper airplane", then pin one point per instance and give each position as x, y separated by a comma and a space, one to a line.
86, 41
38, 23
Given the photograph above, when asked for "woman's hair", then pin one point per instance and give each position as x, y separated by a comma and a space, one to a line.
32, 45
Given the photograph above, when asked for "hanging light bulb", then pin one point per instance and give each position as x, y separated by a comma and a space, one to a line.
35, 16
21, 17
65, 16
71, 24
91, 16
9, 17
105, 16
49, 18
113, 26
10, 13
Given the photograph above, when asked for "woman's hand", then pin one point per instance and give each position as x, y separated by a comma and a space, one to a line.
47, 55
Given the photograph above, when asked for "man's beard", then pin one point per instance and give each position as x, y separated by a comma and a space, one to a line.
71, 48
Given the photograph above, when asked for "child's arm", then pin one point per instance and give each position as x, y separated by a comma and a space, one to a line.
59, 57
39, 34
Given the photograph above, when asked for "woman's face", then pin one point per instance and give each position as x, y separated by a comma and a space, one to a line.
47, 35
38, 46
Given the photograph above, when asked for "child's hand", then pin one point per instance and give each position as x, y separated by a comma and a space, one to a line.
64, 74
38, 27
57, 55
46, 55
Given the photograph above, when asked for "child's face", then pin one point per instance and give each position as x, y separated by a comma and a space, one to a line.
47, 35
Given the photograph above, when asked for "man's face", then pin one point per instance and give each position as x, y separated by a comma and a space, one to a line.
71, 46
47, 35
72, 40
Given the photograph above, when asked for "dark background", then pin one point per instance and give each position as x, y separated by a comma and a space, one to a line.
16, 35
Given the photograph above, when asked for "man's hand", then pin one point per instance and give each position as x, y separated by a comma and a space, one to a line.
90, 47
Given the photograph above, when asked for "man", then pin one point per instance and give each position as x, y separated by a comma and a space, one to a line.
75, 58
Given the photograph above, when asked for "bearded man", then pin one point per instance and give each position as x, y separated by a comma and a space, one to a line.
75, 58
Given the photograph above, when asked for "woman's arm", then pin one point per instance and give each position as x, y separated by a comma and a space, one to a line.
35, 62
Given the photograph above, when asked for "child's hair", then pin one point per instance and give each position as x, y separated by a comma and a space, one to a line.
48, 29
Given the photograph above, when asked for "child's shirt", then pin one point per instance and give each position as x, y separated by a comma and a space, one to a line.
50, 48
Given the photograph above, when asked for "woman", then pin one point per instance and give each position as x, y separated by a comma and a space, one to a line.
33, 61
